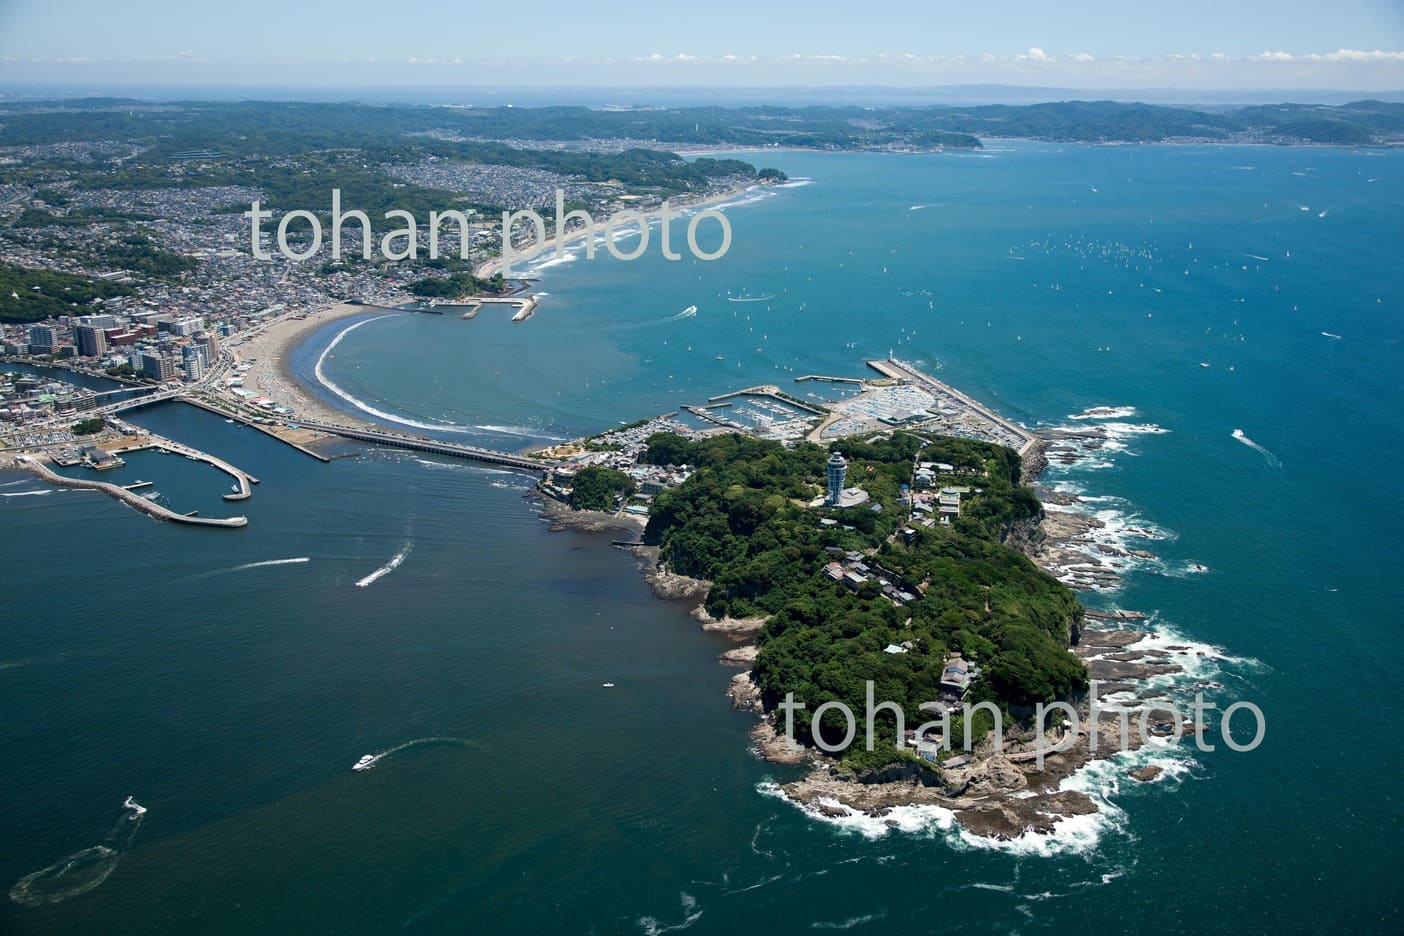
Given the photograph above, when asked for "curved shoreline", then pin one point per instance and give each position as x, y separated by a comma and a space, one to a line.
279, 341
561, 241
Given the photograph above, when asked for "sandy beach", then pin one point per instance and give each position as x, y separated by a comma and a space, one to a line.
488, 267
269, 352
269, 349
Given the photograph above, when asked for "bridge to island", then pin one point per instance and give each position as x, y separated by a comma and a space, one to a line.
418, 444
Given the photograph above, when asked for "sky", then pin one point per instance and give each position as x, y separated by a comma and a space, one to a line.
1090, 44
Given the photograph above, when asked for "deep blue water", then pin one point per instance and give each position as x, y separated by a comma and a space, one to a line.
230, 700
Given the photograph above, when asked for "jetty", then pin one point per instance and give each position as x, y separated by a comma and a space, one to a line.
150, 508
525, 305
240, 417
900, 370
775, 393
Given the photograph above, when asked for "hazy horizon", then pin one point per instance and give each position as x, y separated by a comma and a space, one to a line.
1197, 47
873, 95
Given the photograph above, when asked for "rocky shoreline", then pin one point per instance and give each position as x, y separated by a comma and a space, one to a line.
1001, 794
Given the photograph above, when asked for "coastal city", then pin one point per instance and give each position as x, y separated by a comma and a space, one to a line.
236, 368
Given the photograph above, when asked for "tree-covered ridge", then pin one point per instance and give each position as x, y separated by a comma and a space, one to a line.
28, 295
742, 520
597, 488
272, 129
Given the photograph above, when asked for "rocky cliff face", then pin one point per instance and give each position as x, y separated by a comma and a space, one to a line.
1034, 461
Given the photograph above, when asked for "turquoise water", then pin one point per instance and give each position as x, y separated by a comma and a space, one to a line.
230, 699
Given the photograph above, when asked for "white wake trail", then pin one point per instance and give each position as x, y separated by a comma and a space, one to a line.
386, 569
1272, 459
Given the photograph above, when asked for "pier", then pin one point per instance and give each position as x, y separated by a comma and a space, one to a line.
827, 379
705, 412
775, 393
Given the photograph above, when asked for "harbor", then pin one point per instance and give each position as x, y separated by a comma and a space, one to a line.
147, 506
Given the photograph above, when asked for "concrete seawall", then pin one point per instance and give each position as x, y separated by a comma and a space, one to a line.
28, 463
240, 417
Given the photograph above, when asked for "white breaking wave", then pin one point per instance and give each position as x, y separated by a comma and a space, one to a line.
83, 870
1106, 412
24, 493
361, 405
1070, 835
750, 198
1272, 459
526, 431
850, 922
691, 915
389, 567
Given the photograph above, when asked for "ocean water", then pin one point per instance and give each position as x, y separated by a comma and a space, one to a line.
228, 680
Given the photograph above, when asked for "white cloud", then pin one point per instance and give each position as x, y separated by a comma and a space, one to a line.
1355, 55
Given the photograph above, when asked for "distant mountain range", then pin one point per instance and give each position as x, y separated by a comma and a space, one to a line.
197, 126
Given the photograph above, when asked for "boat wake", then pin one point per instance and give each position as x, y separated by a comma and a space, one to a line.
296, 560
368, 761
1272, 460
83, 870
386, 569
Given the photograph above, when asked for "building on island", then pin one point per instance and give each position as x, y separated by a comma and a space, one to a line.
837, 495
838, 473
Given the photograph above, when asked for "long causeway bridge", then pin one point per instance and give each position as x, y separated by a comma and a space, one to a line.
414, 443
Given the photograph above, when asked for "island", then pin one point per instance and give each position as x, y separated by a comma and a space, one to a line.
903, 604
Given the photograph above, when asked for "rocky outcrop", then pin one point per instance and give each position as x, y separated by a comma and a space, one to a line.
1146, 774
986, 777
670, 585
1034, 461
739, 656
745, 694
1011, 818
773, 746
562, 517
738, 629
